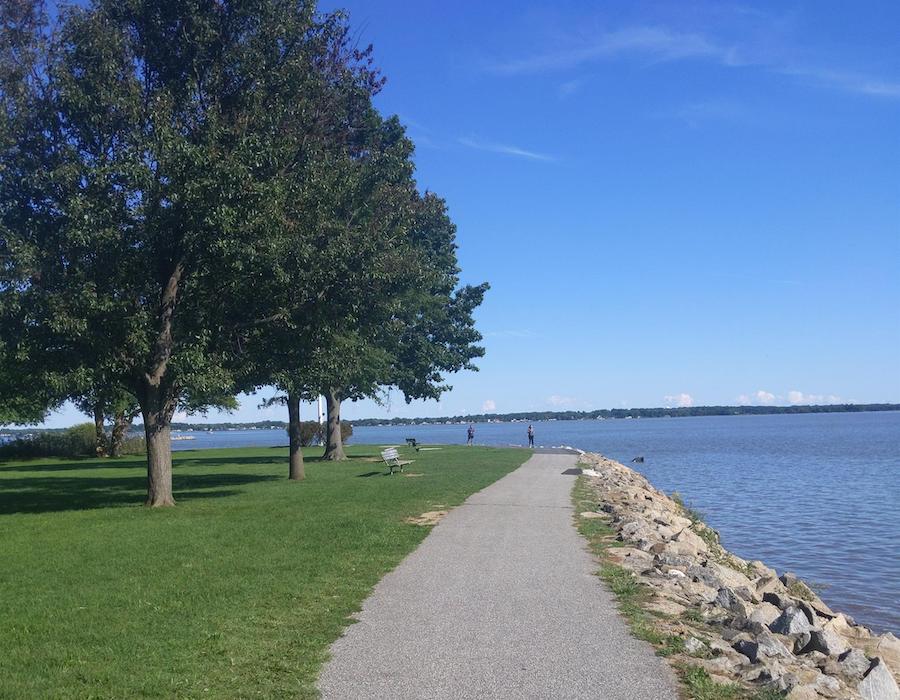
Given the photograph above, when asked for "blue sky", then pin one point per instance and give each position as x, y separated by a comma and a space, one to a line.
674, 203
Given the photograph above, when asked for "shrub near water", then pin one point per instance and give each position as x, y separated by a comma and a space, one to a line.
74, 442
77, 441
312, 432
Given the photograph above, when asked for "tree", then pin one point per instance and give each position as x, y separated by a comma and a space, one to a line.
424, 332
142, 188
348, 203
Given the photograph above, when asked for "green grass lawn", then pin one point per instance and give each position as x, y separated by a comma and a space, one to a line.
236, 592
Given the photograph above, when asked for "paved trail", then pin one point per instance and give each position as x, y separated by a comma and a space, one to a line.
499, 601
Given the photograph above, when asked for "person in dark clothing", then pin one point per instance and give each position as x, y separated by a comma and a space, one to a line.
470, 435
531, 436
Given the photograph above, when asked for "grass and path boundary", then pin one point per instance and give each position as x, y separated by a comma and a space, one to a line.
237, 592
634, 597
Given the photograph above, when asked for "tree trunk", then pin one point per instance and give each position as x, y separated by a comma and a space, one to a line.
296, 471
334, 443
158, 399
121, 425
100, 435
157, 412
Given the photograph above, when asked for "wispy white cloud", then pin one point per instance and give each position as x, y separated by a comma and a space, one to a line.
488, 406
411, 123
558, 401
793, 397
503, 149
695, 114
680, 400
761, 397
659, 44
796, 398
570, 87
846, 81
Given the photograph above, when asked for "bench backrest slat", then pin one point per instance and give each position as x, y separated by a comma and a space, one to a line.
390, 453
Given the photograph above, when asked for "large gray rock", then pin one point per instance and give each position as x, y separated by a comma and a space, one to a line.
748, 648
665, 560
827, 686
705, 575
694, 646
879, 684
637, 529
768, 584
748, 595
766, 613
763, 674
791, 621
826, 641
687, 543
821, 609
764, 645
853, 663
789, 578
731, 601
771, 646
801, 640
809, 611
779, 600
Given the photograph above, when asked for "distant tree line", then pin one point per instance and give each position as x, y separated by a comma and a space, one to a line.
636, 413
612, 413
198, 199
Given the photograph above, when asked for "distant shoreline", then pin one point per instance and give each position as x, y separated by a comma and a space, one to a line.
524, 417
623, 413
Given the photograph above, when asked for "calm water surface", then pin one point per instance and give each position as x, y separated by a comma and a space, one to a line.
818, 494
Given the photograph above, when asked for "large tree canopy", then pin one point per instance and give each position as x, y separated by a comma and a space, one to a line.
198, 197
141, 188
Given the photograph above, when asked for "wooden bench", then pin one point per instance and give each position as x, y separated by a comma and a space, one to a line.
392, 459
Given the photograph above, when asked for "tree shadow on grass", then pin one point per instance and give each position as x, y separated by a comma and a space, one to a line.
76, 464
226, 461
136, 462
62, 493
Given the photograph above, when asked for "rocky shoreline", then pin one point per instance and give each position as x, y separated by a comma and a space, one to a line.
738, 620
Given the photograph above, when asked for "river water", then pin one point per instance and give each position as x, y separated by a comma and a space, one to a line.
817, 494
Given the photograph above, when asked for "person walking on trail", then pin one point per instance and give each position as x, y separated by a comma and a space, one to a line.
470, 435
531, 436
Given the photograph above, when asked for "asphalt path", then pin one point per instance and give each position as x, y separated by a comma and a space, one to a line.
501, 600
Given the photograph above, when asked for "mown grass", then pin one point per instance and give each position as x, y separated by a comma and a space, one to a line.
236, 592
